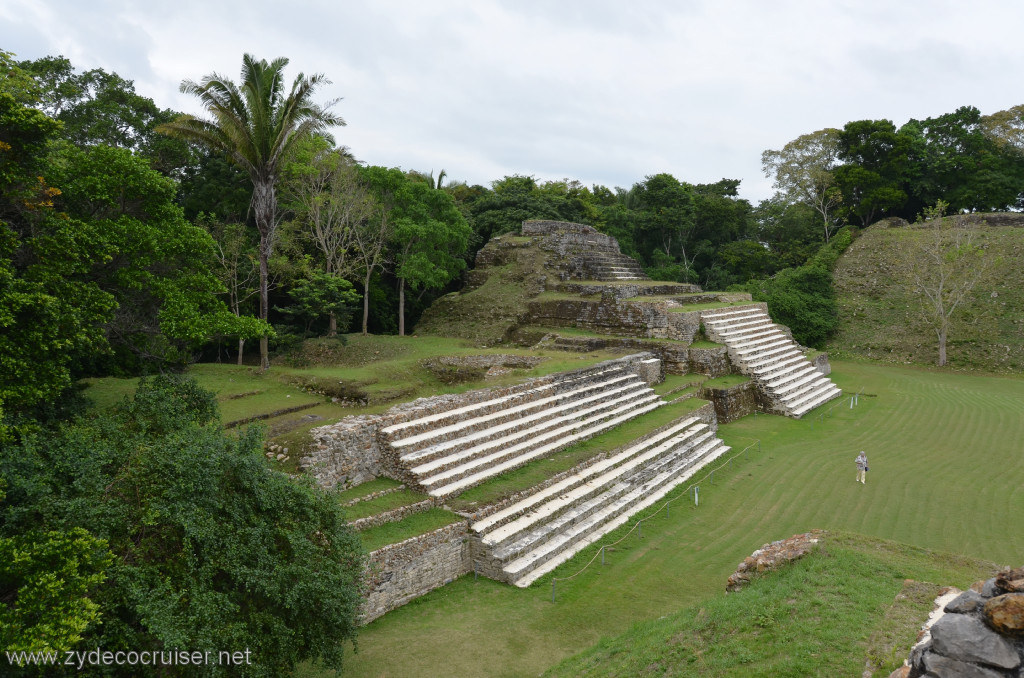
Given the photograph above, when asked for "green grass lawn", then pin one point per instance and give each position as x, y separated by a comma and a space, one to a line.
726, 381
947, 473
387, 502
410, 526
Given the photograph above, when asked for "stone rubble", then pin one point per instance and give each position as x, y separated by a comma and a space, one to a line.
771, 557
980, 635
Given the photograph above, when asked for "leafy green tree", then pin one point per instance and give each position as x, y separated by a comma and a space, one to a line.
257, 126
158, 268
319, 295
47, 320
877, 165
211, 550
330, 203
803, 172
429, 238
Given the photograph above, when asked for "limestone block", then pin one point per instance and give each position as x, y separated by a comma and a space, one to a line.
967, 639
1005, 614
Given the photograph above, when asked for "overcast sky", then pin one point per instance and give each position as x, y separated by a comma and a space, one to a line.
603, 92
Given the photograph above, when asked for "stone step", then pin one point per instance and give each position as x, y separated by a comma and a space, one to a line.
421, 447
823, 397
764, 356
519, 395
714, 317
556, 551
778, 368
558, 502
796, 370
510, 513
457, 451
524, 542
591, 430
750, 351
784, 390
745, 323
759, 367
756, 337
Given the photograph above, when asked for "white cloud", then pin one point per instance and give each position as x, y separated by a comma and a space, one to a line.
606, 92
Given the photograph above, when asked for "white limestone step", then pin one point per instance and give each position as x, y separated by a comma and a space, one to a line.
811, 396
800, 380
501, 517
470, 425
559, 535
825, 396
733, 328
776, 351
515, 440
778, 369
781, 340
480, 476
759, 335
682, 439
500, 401
765, 366
607, 520
715, 316
444, 448
662, 468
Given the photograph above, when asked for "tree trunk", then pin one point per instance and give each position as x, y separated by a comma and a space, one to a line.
241, 349
942, 345
332, 325
401, 307
366, 299
264, 203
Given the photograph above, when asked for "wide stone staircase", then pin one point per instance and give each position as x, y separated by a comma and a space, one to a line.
603, 265
531, 537
763, 351
447, 452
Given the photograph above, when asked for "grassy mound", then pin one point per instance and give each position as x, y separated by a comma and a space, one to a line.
880, 314
811, 618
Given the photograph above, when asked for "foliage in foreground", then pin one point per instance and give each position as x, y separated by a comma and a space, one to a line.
173, 536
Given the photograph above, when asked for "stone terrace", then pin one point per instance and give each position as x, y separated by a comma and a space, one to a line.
449, 451
762, 350
532, 536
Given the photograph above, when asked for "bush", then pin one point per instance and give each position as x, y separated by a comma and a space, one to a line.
211, 550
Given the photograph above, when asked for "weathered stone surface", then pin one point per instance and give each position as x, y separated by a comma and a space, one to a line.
901, 672
402, 572
1011, 581
946, 667
773, 556
1005, 614
968, 601
967, 639
990, 588
734, 402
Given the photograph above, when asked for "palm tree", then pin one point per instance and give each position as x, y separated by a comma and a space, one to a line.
257, 127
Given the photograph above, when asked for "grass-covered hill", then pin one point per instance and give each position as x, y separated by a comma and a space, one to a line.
880, 314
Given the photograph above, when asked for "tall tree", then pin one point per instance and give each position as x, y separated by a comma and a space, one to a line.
330, 204
257, 126
430, 236
946, 263
803, 172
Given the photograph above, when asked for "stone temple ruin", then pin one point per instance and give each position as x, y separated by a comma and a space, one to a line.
577, 292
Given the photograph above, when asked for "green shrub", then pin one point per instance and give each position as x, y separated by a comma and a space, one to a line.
210, 549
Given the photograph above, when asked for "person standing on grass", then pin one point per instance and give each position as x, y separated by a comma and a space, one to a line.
862, 467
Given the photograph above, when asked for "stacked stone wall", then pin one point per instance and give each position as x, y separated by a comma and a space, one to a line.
399, 573
735, 402
612, 316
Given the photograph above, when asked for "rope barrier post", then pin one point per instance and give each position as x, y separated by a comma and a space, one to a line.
758, 445
552, 590
602, 555
712, 477
696, 495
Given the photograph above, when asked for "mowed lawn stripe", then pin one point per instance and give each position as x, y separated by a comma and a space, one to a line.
946, 473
